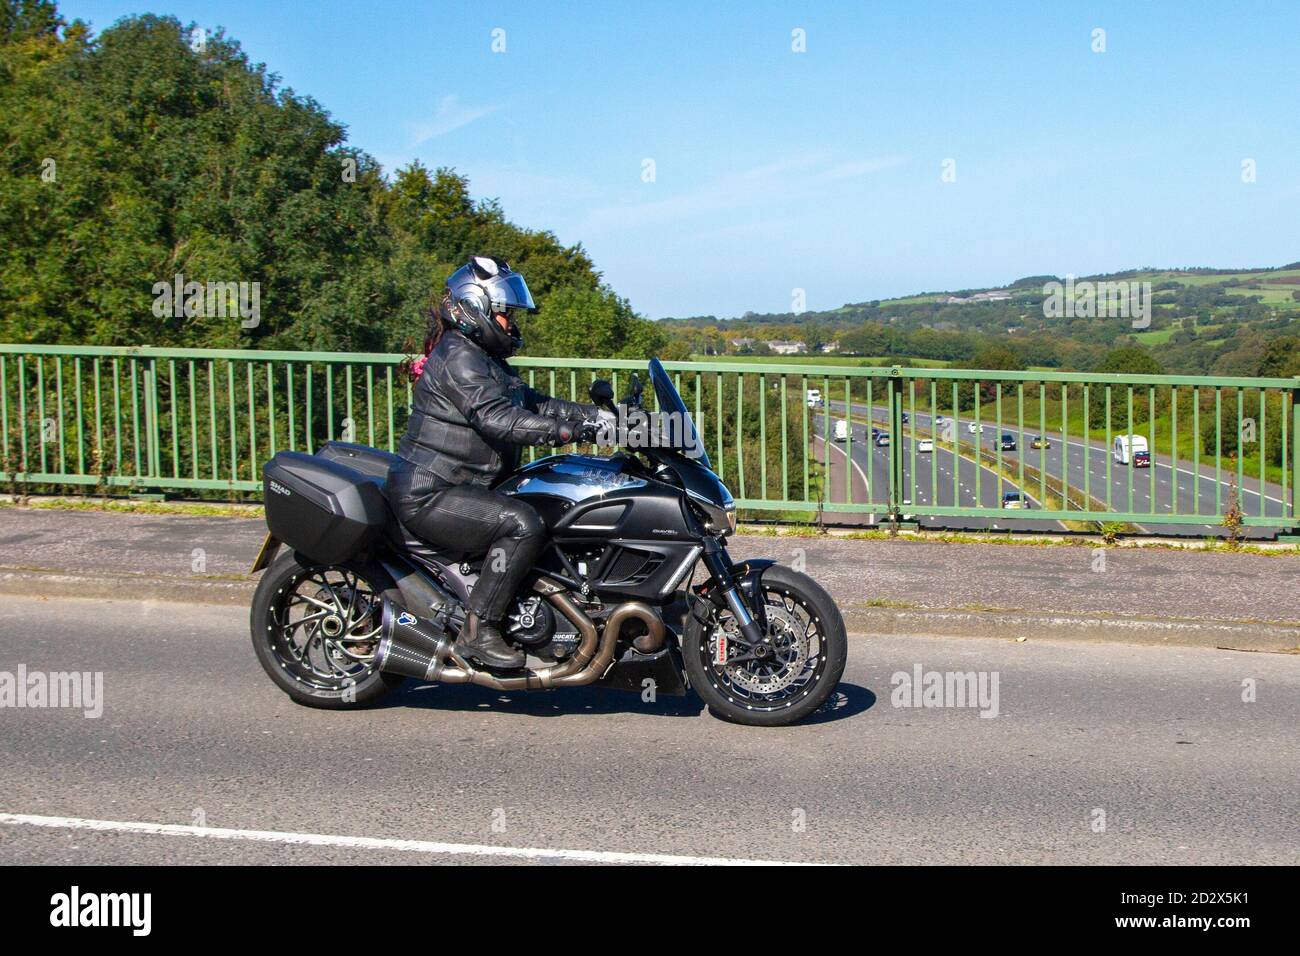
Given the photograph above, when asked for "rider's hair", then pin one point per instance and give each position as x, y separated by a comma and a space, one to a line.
434, 325
433, 329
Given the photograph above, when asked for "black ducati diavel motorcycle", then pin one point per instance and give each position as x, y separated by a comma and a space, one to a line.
356, 604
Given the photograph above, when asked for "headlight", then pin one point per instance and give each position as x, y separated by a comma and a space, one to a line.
719, 519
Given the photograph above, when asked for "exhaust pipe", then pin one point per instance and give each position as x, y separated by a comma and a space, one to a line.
418, 648
652, 641
410, 645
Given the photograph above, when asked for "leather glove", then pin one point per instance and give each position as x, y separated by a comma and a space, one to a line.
587, 432
581, 432
564, 432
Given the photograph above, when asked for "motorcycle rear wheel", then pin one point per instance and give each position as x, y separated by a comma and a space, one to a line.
812, 649
315, 627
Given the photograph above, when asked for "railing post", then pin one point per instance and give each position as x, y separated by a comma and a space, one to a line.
150, 423
895, 398
1293, 533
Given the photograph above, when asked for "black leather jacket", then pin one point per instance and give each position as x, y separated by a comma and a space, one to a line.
471, 412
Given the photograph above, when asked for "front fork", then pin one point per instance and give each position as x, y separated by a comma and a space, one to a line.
752, 631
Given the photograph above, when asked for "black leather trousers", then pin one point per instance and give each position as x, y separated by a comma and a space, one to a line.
473, 520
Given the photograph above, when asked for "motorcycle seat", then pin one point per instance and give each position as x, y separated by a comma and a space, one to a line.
410, 543
374, 464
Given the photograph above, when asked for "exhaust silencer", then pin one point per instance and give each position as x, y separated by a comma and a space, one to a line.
416, 647
410, 645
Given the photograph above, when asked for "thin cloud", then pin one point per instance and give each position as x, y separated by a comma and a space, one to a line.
754, 188
865, 167
450, 115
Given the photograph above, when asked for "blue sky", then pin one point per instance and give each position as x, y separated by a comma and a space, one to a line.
821, 170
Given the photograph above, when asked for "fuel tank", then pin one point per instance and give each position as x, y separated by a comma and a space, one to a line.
623, 534
589, 496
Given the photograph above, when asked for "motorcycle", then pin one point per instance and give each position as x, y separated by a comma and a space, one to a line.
356, 604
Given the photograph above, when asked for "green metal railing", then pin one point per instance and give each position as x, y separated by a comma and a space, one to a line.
203, 420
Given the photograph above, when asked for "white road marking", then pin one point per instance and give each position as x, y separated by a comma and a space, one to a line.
376, 843
856, 467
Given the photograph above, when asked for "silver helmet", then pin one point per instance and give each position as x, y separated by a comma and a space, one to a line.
480, 290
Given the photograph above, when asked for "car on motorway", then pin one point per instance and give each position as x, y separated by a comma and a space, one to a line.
1141, 459
882, 440
1013, 499
1040, 442
815, 398
924, 445
974, 429
1126, 446
841, 430
1008, 441
906, 419
939, 421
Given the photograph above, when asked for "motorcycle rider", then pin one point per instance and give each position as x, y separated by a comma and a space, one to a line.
470, 414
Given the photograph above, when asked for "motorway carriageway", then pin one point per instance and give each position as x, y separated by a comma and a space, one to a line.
875, 463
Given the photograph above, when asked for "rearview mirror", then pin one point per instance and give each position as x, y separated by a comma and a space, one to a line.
601, 392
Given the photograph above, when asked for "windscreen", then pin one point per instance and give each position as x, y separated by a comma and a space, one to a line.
671, 402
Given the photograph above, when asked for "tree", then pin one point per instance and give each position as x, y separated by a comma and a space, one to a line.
590, 322
1281, 358
814, 334
1224, 438
994, 356
168, 160
1129, 360
990, 356
870, 338
130, 158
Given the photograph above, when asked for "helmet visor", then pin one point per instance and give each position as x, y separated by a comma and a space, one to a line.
509, 292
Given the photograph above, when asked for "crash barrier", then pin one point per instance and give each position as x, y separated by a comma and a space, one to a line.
790, 440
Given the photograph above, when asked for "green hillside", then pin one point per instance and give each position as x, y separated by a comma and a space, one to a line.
1200, 321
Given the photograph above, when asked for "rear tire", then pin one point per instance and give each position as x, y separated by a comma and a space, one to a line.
823, 659
322, 662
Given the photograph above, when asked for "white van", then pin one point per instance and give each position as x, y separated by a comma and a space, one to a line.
814, 398
841, 430
1126, 446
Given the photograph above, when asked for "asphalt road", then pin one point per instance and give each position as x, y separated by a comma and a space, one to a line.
1157, 739
1174, 487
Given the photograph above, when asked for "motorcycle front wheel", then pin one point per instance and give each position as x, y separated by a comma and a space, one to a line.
315, 629
807, 657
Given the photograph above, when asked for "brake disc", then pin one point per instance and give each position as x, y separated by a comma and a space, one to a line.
780, 672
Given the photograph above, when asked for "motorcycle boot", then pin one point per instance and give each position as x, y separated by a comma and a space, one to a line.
482, 641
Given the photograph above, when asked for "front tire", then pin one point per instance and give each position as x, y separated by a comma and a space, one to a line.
812, 650
315, 628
